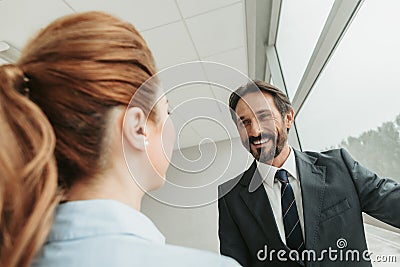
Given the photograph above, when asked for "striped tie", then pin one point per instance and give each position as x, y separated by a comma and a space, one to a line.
291, 221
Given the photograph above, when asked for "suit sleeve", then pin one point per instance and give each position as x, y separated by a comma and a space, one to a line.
379, 197
230, 238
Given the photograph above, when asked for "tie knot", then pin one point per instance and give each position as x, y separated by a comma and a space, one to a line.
281, 176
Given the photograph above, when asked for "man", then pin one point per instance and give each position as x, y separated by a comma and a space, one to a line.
293, 208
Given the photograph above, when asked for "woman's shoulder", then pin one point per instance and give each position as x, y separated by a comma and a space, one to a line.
84, 235
194, 257
117, 250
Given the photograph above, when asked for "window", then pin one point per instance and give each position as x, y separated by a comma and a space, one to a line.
300, 25
355, 102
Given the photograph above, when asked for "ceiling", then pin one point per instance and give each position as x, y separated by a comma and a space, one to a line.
177, 31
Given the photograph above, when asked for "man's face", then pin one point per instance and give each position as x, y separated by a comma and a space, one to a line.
261, 128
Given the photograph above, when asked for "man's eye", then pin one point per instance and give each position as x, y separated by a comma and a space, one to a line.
246, 122
265, 116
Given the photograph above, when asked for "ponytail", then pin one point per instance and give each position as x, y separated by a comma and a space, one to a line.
76, 76
28, 174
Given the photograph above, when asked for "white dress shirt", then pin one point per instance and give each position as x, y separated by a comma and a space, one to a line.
273, 190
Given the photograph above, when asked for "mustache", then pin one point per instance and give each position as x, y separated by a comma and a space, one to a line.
261, 136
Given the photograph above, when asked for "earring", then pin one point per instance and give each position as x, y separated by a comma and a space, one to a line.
146, 142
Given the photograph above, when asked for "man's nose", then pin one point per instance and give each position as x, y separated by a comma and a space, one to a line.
255, 129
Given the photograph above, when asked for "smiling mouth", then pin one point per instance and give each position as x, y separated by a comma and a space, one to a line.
261, 141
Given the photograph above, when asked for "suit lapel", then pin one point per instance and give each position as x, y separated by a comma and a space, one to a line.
312, 181
257, 202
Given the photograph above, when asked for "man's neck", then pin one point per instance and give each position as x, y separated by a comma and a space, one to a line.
282, 157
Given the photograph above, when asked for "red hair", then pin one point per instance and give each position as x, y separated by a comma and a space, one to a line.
78, 68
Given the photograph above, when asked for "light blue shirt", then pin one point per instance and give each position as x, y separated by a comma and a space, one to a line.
109, 233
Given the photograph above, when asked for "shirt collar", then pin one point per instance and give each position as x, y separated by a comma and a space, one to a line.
267, 172
86, 218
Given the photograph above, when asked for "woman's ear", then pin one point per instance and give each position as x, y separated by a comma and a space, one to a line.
134, 128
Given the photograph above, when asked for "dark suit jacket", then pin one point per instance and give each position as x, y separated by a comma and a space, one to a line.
335, 191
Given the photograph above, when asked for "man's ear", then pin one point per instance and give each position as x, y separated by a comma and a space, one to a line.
289, 118
134, 128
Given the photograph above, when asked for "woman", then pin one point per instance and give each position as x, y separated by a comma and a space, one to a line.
82, 71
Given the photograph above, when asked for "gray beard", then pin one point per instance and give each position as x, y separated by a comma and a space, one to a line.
266, 156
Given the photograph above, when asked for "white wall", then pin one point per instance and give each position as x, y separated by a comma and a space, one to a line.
195, 227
